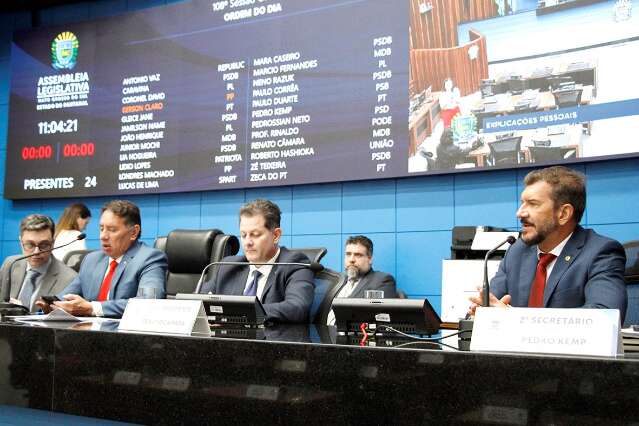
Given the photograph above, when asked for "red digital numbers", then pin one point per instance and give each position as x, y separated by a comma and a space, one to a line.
43, 152
85, 149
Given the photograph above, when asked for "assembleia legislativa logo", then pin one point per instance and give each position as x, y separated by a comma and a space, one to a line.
64, 51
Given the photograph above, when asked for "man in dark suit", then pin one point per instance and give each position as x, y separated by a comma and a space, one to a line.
41, 274
109, 277
286, 291
556, 263
358, 264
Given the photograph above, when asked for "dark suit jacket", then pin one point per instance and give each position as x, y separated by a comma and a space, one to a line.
57, 277
374, 280
289, 289
587, 274
141, 266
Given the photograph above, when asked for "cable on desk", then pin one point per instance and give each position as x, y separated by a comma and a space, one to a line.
423, 339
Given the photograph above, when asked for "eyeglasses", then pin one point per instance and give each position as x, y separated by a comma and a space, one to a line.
30, 246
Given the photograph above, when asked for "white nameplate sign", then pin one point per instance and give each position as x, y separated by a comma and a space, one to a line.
185, 317
551, 331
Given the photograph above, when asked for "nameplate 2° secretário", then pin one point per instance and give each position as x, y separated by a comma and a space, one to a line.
184, 317
551, 331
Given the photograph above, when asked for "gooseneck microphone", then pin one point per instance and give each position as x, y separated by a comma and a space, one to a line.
8, 308
313, 266
486, 290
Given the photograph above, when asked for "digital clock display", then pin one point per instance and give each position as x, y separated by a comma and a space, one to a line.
61, 126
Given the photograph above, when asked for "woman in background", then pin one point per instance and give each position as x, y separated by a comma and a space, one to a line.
73, 221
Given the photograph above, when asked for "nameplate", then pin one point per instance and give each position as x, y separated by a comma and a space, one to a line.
551, 331
184, 317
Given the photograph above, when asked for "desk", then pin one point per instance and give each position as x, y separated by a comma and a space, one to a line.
570, 138
422, 121
295, 378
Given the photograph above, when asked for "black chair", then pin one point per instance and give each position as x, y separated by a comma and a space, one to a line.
327, 285
505, 151
74, 258
314, 254
631, 276
517, 85
223, 245
188, 252
567, 98
160, 243
544, 154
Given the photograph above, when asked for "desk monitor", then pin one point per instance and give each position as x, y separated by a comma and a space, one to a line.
406, 315
229, 310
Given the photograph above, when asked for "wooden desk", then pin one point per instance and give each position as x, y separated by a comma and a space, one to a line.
422, 121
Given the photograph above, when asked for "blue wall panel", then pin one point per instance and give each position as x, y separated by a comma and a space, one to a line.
368, 207
317, 209
409, 220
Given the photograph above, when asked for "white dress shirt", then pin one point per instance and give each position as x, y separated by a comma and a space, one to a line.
265, 270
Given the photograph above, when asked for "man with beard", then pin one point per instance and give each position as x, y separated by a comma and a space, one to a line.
556, 263
360, 277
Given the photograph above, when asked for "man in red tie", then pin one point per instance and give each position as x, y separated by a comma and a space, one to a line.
109, 277
556, 263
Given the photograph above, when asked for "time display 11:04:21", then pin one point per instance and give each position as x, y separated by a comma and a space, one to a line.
60, 126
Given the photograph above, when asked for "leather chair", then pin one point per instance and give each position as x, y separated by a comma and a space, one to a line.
188, 252
327, 285
505, 151
74, 258
631, 276
314, 254
543, 154
567, 98
223, 245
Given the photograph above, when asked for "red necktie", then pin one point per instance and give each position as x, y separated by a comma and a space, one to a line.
106, 284
536, 298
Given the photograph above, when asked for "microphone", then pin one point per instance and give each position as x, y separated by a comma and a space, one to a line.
486, 290
313, 266
11, 308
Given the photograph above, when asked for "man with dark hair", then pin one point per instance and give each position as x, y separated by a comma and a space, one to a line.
41, 274
109, 277
360, 277
286, 291
358, 264
556, 263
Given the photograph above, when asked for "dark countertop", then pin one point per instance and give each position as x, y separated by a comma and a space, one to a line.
297, 375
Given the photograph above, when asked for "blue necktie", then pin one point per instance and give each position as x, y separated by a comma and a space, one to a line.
252, 289
28, 287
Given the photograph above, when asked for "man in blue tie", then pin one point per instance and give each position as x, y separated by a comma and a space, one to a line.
556, 263
286, 291
109, 277
41, 274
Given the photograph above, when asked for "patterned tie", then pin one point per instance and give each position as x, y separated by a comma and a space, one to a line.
28, 287
536, 298
252, 289
106, 284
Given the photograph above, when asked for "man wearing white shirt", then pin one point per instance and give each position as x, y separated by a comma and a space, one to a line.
556, 263
286, 291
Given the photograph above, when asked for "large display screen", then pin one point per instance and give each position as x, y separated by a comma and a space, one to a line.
206, 95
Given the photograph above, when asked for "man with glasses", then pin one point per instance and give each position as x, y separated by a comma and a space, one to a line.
109, 277
41, 274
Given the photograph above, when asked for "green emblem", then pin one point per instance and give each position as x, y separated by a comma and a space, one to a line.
64, 51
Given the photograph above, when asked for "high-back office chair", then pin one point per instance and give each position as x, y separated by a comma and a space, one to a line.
631, 276
505, 151
543, 154
188, 252
567, 98
314, 254
74, 258
223, 245
517, 85
327, 285
557, 82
